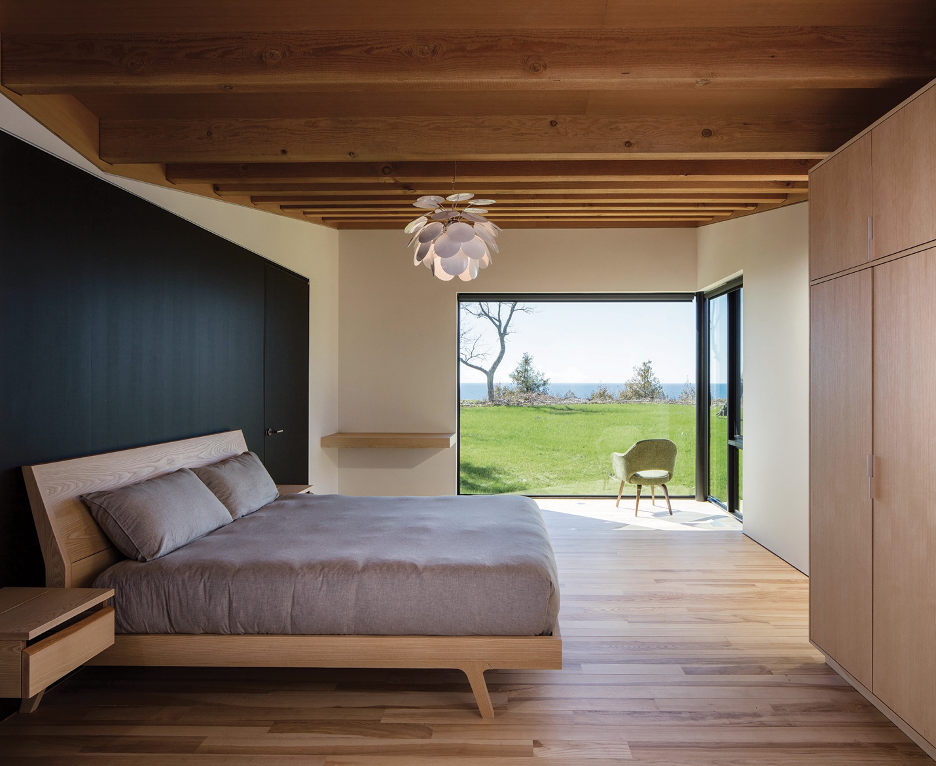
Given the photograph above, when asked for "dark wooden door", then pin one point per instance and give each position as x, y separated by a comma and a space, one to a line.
286, 377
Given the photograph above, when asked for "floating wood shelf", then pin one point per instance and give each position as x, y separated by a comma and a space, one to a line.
389, 441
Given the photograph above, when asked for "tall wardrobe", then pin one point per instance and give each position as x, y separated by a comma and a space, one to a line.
873, 413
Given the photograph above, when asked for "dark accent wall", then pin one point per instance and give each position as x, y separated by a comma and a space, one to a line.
121, 325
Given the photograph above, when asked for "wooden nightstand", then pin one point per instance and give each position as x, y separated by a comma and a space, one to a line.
48, 632
295, 489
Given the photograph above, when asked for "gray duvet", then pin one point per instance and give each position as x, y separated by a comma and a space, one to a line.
331, 564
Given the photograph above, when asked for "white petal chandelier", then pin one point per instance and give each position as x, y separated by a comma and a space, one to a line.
453, 242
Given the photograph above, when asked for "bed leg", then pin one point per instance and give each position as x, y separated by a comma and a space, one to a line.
475, 673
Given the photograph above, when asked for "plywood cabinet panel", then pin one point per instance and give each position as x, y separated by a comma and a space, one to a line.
840, 207
905, 489
840, 583
904, 161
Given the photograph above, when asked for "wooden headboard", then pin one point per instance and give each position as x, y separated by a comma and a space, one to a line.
73, 546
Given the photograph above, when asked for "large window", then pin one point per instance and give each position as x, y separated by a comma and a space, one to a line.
549, 386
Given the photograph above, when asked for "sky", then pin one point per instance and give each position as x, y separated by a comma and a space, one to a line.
592, 342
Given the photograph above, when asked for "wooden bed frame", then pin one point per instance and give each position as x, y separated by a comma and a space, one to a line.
76, 551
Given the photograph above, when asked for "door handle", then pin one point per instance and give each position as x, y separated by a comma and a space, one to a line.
271, 432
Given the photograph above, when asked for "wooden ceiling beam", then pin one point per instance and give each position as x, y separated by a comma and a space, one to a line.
475, 138
571, 215
545, 189
67, 16
468, 59
393, 226
511, 200
556, 173
405, 213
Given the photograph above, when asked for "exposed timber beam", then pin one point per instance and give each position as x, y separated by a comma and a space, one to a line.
475, 138
535, 224
522, 210
510, 200
556, 173
93, 16
468, 59
392, 190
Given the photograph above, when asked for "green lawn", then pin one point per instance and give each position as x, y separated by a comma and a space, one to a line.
565, 449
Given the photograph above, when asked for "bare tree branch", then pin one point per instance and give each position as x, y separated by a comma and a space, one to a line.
469, 345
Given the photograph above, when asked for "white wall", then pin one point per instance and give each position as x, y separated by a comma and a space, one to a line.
302, 247
772, 250
398, 331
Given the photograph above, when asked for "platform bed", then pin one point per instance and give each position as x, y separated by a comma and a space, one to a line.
76, 551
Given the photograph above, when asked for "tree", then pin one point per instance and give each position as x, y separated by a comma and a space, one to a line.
471, 349
644, 385
688, 394
528, 379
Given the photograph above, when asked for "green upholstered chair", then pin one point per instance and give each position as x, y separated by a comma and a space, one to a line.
649, 462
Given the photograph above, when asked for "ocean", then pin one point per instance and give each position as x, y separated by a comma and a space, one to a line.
582, 390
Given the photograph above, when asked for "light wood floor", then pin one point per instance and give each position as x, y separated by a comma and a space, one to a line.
681, 648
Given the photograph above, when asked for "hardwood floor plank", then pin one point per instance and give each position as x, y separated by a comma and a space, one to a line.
680, 649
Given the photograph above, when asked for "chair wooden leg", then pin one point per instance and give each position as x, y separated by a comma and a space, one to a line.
653, 494
620, 492
666, 492
475, 673
637, 504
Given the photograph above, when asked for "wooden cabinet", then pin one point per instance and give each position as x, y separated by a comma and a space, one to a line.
904, 162
873, 414
840, 211
840, 520
905, 489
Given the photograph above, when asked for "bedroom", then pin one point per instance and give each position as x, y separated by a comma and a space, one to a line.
372, 313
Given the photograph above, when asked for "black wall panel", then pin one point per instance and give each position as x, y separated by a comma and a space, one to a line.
120, 325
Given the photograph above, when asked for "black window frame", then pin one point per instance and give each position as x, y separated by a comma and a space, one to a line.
732, 289
662, 297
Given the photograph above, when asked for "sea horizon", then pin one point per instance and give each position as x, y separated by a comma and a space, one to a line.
469, 391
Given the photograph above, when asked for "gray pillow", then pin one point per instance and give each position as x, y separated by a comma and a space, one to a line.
154, 517
240, 482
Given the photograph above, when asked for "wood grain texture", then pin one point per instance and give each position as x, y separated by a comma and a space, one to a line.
46, 661
389, 441
67, 533
43, 609
648, 190
905, 177
681, 648
840, 440
205, 650
11, 664
543, 137
94, 16
904, 510
556, 172
901, 724
484, 59
840, 209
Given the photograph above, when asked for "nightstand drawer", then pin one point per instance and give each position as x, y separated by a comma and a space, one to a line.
48, 660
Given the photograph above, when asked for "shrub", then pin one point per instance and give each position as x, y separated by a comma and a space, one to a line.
643, 386
601, 394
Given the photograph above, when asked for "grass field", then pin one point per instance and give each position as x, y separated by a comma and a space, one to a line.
565, 449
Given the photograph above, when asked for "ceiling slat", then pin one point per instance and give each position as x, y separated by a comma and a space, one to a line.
544, 189
510, 200
525, 172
